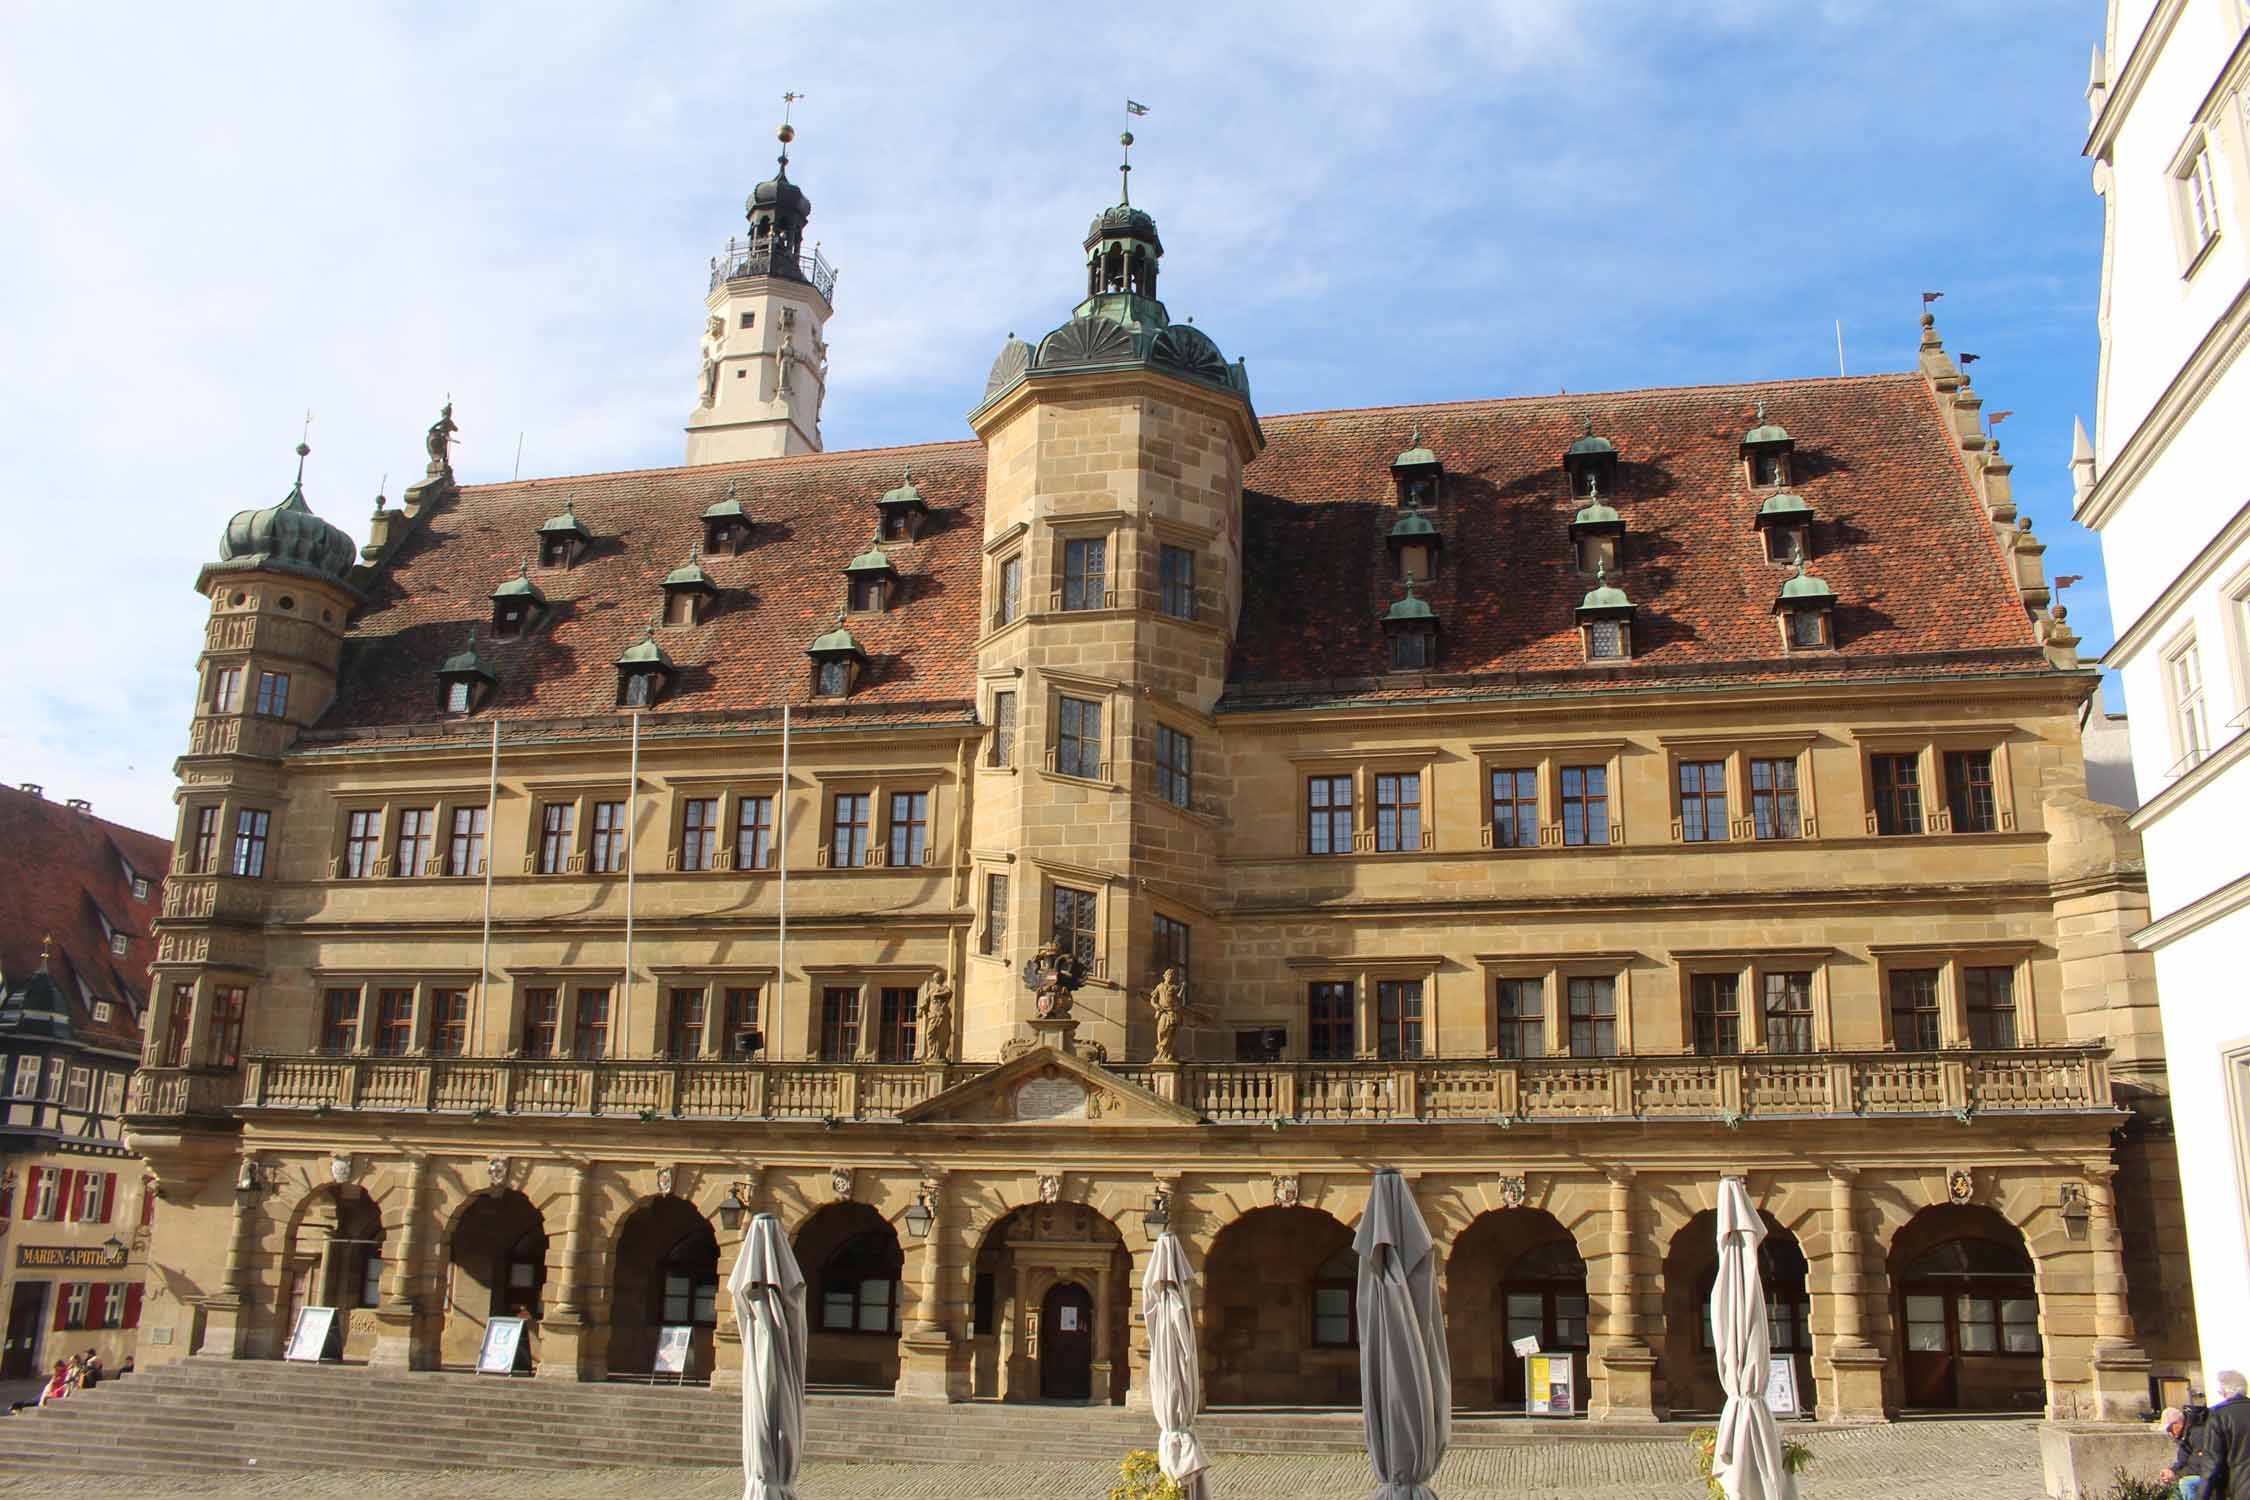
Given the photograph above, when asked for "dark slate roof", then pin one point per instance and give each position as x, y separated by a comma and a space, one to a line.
61, 873
1898, 532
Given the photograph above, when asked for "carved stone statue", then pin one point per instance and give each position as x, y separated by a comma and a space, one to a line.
1168, 1002
439, 441
786, 360
1052, 974
716, 329
710, 380
937, 1020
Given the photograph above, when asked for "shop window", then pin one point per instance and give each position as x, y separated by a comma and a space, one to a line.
859, 1286
1520, 1013
691, 1283
1717, 1011
1328, 1021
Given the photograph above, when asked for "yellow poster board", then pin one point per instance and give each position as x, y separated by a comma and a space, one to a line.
1550, 1385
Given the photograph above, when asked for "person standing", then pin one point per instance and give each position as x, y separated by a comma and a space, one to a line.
2226, 1441
2186, 1428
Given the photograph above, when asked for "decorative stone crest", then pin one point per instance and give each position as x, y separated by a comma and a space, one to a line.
339, 1169
1050, 1187
664, 1181
840, 1183
1515, 1192
1960, 1185
1285, 1189
497, 1169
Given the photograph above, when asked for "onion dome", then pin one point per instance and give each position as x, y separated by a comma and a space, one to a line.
777, 195
288, 537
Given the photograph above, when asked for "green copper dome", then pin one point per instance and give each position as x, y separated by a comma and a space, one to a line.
1784, 507
1804, 591
1765, 431
1416, 456
520, 587
288, 537
1590, 444
1411, 610
1413, 528
1604, 596
836, 642
1123, 222
566, 524
905, 494
1597, 514
870, 561
690, 574
726, 509
468, 663
646, 654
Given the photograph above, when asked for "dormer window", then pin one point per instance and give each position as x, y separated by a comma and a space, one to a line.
1806, 611
1591, 463
562, 539
835, 679
516, 605
1410, 626
457, 696
836, 660
643, 673
1767, 448
1786, 522
1418, 475
1605, 620
1596, 532
465, 683
868, 580
1414, 545
904, 512
726, 526
688, 591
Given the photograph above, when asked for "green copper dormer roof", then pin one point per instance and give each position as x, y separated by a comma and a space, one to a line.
288, 537
34, 1005
1413, 527
520, 587
690, 574
467, 663
1805, 591
1416, 456
1412, 610
1591, 444
1765, 431
905, 495
836, 642
1784, 507
646, 656
566, 524
1604, 598
727, 508
870, 561
1596, 515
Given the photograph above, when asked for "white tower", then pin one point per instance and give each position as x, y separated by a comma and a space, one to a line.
765, 351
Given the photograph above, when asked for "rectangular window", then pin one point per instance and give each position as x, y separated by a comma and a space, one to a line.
996, 915
1085, 573
42, 1197
76, 1297
1989, 997
225, 1045
1003, 730
417, 834
742, 1025
910, 828
1398, 1018
1175, 766
226, 690
1521, 1014
1914, 1010
457, 696
684, 1036
1898, 793
27, 1076
203, 847
363, 843
1176, 572
900, 1019
1410, 650
2199, 201
558, 823
1011, 591
753, 833
394, 1023
839, 1024
1605, 640
589, 1026
1328, 1021
1328, 805
1789, 1017
542, 1023
2191, 722
847, 847
55, 1067
1078, 737
1717, 1005
1515, 808
1585, 804
699, 833
178, 1020
449, 1023
339, 1022
78, 1093
1074, 923
1593, 1017
1703, 801
1398, 812
250, 841
113, 1093
464, 851
1333, 1316
1773, 798
273, 694
1968, 791
607, 854
1171, 944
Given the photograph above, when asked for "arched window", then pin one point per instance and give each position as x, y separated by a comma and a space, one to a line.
859, 1285
1335, 1301
523, 1276
1781, 1271
355, 1255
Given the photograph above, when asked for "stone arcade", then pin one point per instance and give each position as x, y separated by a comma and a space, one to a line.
1563, 799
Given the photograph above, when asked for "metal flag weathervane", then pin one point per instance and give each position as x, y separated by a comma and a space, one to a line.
1135, 107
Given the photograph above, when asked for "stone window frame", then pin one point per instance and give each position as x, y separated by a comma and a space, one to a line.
1044, 876
1750, 966
985, 868
877, 786
1554, 971
1105, 693
583, 794
443, 802
1737, 751
1363, 766
1106, 529
1008, 546
991, 687
728, 791
714, 980
1362, 973
870, 980
566, 981
2234, 600
370, 982
1928, 744
1949, 959
2192, 179
1549, 758
1199, 543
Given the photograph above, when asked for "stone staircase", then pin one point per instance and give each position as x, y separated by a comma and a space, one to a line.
218, 1416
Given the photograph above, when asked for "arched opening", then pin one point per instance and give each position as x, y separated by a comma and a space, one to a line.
1513, 1273
496, 1267
1691, 1268
666, 1276
851, 1259
1022, 1260
335, 1259
1965, 1309
1280, 1311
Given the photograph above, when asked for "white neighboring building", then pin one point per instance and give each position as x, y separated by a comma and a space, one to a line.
2166, 485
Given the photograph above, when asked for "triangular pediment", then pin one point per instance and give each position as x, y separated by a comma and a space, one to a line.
1047, 1087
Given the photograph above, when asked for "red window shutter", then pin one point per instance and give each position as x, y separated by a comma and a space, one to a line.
7, 1198
96, 1301
133, 1305
62, 1305
109, 1195
31, 1191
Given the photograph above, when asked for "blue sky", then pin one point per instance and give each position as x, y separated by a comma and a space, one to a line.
223, 216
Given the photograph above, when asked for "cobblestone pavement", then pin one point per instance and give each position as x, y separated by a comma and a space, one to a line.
1993, 1460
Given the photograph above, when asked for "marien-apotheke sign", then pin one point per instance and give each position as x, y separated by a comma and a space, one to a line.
66, 1258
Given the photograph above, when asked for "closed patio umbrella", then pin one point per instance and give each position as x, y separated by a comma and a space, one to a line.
1405, 1376
1746, 1457
768, 1291
1175, 1385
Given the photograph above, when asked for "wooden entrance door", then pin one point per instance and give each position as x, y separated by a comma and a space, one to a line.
1556, 1316
20, 1360
1066, 1344
1930, 1346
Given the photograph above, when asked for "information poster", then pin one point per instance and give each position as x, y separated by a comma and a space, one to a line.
672, 1349
1781, 1387
1550, 1385
1066, 1318
311, 1339
504, 1351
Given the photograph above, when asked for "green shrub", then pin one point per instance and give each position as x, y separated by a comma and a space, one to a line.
2132, 1487
1795, 1458
1140, 1478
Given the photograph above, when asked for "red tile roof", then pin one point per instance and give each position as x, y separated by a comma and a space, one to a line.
1898, 533
65, 872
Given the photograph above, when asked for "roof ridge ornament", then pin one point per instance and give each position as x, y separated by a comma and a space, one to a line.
1125, 171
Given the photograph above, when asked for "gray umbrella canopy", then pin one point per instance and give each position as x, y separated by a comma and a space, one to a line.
1746, 1458
768, 1291
1405, 1375
1175, 1385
